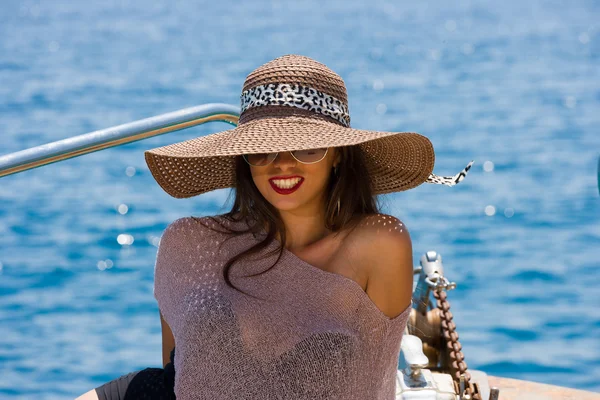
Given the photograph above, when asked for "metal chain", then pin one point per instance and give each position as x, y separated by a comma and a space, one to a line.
457, 364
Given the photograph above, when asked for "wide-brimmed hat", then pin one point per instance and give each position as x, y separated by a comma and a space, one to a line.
293, 103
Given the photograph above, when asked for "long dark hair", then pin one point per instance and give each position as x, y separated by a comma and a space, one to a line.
352, 185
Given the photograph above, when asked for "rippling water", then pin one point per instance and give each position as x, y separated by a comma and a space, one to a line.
516, 87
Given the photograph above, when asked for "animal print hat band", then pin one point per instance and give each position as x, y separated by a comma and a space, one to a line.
294, 103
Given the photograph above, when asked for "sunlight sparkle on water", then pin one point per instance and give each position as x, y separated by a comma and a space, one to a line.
488, 166
124, 239
490, 210
53, 46
450, 25
378, 85
435, 54
130, 171
381, 109
104, 264
467, 49
584, 38
153, 240
570, 101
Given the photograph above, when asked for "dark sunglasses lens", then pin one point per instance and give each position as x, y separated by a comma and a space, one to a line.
259, 159
311, 155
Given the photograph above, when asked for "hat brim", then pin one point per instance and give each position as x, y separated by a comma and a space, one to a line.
396, 161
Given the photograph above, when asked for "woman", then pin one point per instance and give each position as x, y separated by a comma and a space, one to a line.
303, 289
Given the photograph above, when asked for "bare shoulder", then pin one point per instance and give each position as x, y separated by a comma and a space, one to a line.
377, 232
381, 225
386, 249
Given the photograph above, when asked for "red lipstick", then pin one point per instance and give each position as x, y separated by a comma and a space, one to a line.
285, 191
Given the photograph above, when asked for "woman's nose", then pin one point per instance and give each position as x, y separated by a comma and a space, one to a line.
284, 159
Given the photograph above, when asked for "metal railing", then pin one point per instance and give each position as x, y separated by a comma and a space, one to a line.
115, 136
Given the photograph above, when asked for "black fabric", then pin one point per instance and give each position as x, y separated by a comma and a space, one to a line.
169, 375
115, 389
148, 384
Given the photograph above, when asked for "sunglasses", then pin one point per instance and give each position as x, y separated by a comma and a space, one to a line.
310, 156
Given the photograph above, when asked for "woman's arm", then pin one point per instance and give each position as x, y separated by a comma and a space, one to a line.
150, 381
168, 341
91, 395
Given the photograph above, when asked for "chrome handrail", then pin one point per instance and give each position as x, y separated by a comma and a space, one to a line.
117, 135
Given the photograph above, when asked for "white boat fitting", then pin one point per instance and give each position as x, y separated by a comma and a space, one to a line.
432, 366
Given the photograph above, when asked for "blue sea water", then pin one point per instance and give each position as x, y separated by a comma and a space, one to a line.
514, 85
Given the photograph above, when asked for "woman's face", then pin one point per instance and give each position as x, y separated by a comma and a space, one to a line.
309, 194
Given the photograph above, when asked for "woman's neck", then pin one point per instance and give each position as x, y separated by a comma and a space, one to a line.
302, 229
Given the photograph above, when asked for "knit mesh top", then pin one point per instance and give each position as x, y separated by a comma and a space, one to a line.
306, 334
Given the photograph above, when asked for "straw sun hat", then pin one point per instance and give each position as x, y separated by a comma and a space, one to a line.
293, 103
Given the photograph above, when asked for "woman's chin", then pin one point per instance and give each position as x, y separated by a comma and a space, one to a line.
286, 204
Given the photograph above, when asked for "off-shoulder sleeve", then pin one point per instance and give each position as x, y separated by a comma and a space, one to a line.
169, 266
390, 352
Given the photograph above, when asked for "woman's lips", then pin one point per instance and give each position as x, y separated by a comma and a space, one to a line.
286, 191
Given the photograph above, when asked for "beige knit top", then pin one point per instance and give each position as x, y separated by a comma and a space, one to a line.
309, 334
